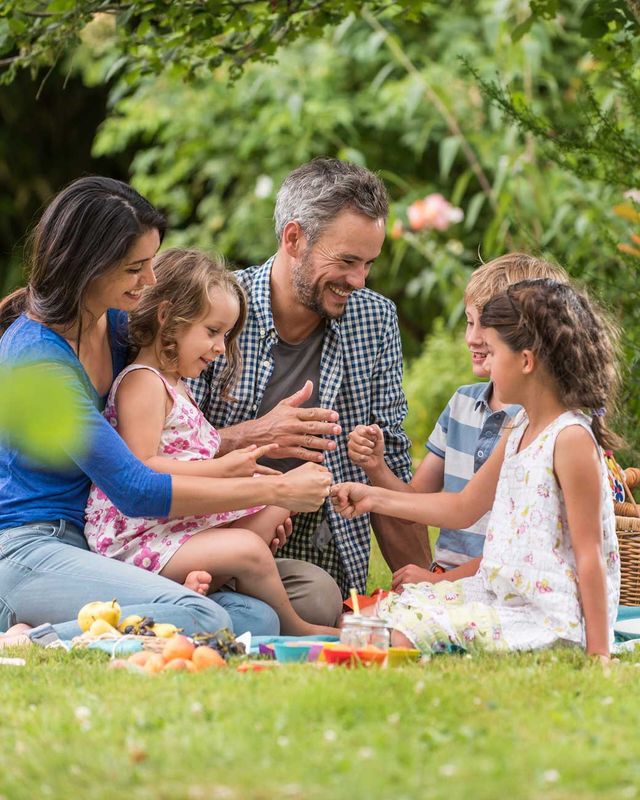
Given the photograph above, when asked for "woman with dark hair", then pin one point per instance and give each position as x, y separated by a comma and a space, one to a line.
90, 260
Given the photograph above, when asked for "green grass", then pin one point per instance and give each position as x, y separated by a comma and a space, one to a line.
545, 725
550, 725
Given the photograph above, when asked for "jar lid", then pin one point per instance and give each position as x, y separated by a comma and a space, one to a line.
365, 622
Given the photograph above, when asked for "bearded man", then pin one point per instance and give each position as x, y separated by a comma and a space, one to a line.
321, 354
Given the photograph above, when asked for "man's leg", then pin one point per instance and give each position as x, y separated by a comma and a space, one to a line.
312, 591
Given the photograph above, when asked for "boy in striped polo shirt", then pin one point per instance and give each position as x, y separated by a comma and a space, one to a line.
466, 432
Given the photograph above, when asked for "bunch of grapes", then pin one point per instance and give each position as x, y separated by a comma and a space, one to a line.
223, 641
142, 628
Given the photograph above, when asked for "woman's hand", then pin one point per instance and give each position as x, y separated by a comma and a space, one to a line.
366, 447
306, 487
243, 463
351, 499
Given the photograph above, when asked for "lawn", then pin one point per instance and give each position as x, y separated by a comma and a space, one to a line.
547, 725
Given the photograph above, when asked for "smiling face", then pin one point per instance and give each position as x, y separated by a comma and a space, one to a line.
474, 337
122, 286
203, 341
506, 368
337, 263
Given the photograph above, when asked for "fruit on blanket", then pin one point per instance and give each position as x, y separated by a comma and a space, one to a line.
178, 646
177, 664
132, 621
109, 611
100, 627
155, 663
140, 658
206, 657
165, 630
223, 641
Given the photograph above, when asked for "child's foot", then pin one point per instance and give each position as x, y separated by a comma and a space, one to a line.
16, 635
198, 581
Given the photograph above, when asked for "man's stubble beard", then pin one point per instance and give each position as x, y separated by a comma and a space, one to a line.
307, 292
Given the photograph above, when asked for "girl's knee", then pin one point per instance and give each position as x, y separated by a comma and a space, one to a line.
254, 551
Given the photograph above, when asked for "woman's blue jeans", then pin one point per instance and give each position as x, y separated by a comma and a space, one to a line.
47, 573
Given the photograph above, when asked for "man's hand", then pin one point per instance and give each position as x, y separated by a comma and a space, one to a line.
243, 463
351, 499
411, 573
366, 447
299, 431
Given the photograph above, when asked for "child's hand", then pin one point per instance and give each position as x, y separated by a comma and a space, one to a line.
282, 533
243, 463
351, 499
411, 573
366, 447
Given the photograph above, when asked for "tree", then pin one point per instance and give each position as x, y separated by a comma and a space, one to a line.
192, 35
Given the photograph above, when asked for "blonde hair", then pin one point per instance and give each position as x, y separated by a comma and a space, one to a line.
185, 281
496, 276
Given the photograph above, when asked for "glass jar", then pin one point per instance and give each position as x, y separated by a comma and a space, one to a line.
358, 631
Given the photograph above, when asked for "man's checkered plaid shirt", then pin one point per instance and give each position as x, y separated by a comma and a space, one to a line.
360, 378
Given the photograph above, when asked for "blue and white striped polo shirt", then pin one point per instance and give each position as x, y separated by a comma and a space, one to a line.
465, 435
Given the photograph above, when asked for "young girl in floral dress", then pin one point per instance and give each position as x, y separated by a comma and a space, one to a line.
191, 316
550, 568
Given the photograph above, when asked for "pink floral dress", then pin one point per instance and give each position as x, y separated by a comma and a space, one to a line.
525, 595
150, 543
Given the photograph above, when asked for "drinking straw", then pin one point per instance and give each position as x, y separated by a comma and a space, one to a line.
354, 600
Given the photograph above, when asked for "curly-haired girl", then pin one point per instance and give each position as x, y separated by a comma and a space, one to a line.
550, 568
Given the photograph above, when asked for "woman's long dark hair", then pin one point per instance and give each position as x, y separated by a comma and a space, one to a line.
86, 230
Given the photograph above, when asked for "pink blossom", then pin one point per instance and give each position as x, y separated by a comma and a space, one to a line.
433, 212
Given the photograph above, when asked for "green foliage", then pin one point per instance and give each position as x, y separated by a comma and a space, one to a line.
430, 381
213, 154
38, 411
192, 35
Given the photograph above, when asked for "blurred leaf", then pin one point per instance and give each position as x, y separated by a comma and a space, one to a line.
38, 413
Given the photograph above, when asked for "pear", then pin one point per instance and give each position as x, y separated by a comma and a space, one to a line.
101, 626
165, 630
109, 611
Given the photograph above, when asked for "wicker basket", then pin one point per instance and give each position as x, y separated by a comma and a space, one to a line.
154, 643
628, 531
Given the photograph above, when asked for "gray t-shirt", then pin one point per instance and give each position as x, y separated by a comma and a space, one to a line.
293, 365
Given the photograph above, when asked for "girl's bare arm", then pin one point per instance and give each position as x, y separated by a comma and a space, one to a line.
577, 467
441, 509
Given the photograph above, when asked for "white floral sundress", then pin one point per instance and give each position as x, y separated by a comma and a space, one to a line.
150, 542
525, 594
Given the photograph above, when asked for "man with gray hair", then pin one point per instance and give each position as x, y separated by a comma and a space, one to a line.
321, 354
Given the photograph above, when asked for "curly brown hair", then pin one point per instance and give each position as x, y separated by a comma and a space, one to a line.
574, 339
185, 279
